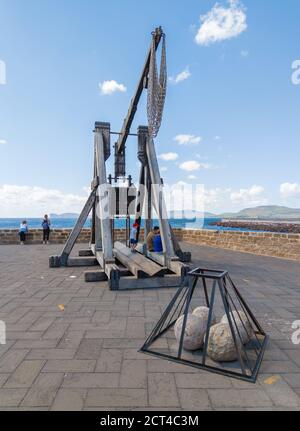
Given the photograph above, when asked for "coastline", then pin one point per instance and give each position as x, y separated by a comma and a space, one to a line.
208, 223
275, 226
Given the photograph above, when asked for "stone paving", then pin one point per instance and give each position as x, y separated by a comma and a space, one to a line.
83, 354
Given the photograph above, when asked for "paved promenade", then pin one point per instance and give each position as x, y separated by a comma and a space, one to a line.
72, 345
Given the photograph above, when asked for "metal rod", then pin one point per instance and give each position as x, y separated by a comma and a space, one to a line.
119, 133
210, 315
240, 318
205, 291
227, 294
227, 311
188, 302
242, 301
223, 372
163, 318
246, 314
177, 307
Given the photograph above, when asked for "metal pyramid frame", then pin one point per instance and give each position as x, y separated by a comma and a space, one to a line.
216, 285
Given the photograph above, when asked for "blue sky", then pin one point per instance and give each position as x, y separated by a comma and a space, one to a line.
238, 96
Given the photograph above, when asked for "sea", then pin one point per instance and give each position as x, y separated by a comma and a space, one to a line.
69, 223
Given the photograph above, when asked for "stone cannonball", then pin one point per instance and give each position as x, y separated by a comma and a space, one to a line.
242, 323
202, 312
221, 347
194, 332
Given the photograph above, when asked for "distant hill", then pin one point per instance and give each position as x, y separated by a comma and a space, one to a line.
64, 215
268, 212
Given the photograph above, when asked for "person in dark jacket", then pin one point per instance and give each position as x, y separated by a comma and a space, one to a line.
46, 223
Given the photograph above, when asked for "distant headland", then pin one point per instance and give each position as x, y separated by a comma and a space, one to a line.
266, 213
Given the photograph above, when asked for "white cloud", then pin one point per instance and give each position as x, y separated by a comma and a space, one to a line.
192, 177
183, 196
290, 190
217, 138
182, 76
192, 165
3, 142
27, 201
163, 169
222, 23
252, 196
2, 73
192, 196
214, 199
110, 87
244, 53
188, 139
196, 197
169, 157
218, 200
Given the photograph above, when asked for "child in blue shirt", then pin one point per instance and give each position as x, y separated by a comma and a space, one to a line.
23, 232
133, 237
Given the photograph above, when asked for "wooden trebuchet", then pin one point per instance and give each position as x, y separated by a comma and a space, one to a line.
117, 263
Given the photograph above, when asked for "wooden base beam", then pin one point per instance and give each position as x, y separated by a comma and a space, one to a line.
85, 253
92, 276
82, 261
139, 265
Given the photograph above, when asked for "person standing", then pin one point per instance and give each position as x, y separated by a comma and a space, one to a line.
46, 223
23, 231
133, 237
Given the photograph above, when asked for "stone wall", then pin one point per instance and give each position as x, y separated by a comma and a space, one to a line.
266, 244
57, 236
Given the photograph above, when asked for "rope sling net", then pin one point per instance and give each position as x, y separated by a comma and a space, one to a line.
157, 89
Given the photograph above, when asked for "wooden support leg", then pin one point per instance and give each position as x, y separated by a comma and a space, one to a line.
159, 202
148, 212
92, 239
98, 235
102, 210
94, 185
184, 256
140, 198
56, 261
